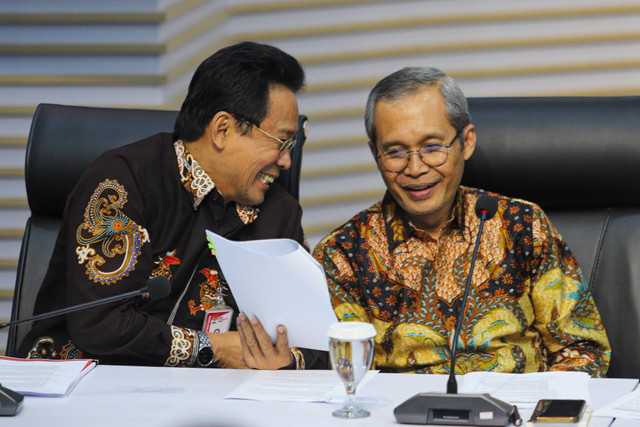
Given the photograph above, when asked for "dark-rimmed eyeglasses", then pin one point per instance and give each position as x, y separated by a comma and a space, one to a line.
284, 145
432, 155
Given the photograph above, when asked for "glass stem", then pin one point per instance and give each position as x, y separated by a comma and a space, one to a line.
350, 403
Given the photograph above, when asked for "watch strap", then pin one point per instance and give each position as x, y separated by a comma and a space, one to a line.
205, 355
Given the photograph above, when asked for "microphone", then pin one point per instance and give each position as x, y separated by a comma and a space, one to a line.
156, 288
451, 408
486, 208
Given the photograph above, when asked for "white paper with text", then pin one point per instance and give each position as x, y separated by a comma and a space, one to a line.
626, 407
526, 389
295, 386
34, 377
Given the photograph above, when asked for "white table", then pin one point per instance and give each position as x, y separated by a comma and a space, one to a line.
122, 396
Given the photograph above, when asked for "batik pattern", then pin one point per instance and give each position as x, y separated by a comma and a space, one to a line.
192, 175
198, 184
45, 348
164, 264
109, 241
208, 290
247, 213
182, 351
529, 308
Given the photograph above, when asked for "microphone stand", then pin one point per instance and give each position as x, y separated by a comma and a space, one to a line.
452, 384
78, 307
157, 288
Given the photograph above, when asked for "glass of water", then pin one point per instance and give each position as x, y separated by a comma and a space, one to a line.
351, 350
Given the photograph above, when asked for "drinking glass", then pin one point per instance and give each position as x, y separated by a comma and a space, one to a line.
351, 350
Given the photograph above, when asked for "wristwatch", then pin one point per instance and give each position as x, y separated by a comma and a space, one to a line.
205, 352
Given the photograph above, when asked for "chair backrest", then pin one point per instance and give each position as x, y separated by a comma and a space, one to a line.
579, 159
63, 142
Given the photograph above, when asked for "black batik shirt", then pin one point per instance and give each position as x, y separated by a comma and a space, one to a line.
138, 212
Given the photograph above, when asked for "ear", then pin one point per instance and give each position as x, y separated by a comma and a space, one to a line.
374, 153
373, 149
469, 135
221, 127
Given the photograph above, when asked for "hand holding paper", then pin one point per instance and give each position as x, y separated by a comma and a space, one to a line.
258, 351
278, 281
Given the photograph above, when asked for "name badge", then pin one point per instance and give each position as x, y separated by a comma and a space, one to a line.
217, 320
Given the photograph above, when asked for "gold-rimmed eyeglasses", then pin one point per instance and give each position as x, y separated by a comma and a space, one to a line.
432, 155
284, 145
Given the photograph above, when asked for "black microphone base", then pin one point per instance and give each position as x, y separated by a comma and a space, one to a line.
456, 410
10, 401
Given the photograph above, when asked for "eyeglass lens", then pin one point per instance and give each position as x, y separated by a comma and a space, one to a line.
431, 155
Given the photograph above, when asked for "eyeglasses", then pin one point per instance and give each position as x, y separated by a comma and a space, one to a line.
284, 145
432, 155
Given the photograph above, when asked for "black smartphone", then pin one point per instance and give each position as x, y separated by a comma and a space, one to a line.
558, 411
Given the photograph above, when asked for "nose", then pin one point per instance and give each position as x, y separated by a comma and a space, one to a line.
415, 165
284, 160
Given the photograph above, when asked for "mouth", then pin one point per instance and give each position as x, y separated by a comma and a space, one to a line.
265, 179
421, 190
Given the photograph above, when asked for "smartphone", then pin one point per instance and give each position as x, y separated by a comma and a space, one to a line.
558, 411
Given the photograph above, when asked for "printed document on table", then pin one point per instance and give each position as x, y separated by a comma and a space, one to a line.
626, 407
278, 281
295, 386
526, 389
38, 377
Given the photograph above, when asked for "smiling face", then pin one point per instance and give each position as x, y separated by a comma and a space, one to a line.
253, 161
425, 193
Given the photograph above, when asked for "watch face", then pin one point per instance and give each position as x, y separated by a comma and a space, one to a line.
205, 356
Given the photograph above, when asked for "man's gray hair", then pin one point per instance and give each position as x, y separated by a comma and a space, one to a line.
408, 81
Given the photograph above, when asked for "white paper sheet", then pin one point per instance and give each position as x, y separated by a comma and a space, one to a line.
43, 377
526, 389
295, 386
626, 407
278, 281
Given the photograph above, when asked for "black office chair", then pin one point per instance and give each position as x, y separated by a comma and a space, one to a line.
579, 159
63, 141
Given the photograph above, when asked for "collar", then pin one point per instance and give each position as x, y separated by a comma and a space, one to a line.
198, 184
399, 228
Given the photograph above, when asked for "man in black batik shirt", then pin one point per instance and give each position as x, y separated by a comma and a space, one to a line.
141, 211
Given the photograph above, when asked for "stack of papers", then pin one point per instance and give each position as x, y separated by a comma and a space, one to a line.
37, 377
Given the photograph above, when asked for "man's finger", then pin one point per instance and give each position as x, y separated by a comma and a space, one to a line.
250, 348
258, 351
243, 340
282, 340
264, 340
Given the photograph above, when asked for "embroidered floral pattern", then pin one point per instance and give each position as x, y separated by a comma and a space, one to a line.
182, 347
164, 265
199, 184
44, 348
110, 241
207, 291
247, 213
192, 176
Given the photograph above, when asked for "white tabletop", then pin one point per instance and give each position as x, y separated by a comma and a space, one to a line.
121, 396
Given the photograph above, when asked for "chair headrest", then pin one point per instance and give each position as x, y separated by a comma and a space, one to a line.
559, 152
64, 140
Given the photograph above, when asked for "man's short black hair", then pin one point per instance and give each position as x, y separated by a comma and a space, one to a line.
236, 79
